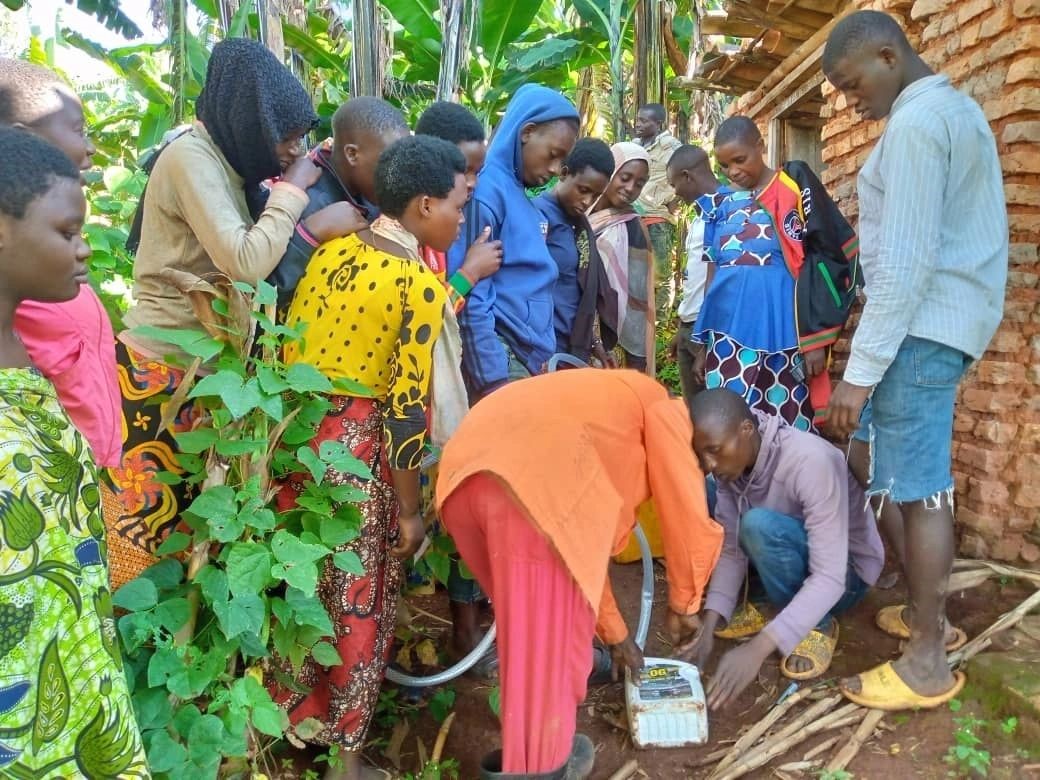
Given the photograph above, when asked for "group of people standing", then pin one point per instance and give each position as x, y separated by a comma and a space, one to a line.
418, 266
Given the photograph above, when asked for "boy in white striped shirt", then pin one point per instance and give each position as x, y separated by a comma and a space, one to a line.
934, 248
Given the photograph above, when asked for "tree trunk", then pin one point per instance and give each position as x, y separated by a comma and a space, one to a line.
648, 54
366, 76
617, 74
455, 46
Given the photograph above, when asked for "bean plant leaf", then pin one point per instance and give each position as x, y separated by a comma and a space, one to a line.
270, 719
304, 378
194, 342
174, 543
326, 655
137, 595
242, 614
164, 753
310, 460
349, 562
248, 569
340, 458
308, 610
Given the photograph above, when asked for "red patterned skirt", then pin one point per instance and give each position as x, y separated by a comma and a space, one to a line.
363, 608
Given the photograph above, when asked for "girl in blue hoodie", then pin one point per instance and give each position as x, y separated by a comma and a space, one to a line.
507, 324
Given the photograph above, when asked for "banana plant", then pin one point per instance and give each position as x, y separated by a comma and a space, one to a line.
107, 12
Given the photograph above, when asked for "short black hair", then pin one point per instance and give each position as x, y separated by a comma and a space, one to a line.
29, 167
737, 128
687, 157
367, 115
590, 153
414, 166
719, 404
856, 31
450, 122
27, 91
657, 110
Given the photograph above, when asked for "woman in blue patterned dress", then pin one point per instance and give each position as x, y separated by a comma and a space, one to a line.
747, 322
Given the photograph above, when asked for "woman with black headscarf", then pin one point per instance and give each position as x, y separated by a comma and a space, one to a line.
196, 217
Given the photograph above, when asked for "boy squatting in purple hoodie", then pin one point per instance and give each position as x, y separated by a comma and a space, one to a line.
788, 504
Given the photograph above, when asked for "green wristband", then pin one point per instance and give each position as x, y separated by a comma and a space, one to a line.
461, 284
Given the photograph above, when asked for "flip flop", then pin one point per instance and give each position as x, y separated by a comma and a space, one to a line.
746, 622
818, 647
881, 688
890, 620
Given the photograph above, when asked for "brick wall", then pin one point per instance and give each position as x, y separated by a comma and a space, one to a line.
991, 50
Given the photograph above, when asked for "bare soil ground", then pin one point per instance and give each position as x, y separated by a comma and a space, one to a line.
911, 745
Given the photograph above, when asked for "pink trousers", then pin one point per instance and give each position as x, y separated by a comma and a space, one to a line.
545, 623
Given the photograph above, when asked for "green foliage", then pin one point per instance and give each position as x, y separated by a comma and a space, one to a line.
198, 639
436, 770
105, 11
834, 774
967, 755
231, 609
667, 366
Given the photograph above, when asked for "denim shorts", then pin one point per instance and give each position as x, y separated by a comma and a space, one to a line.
908, 422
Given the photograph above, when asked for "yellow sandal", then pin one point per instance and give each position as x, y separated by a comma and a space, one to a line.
881, 688
818, 647
891, 621
746, 622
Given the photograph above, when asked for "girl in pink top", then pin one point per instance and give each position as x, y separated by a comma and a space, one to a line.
71, 343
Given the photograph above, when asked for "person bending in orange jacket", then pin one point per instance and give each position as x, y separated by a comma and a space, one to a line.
539, 486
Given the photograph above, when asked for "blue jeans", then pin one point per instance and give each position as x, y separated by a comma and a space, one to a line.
779, 550
909, 421
463, 590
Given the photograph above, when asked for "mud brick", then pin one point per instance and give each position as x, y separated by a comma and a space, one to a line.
974, 546
1020, 253
997, 22
1006, 548
989, 491
1002, 373
989, 524
1029, 436
1023, 159
987, 461
966, 11
1005, 340
1027, 467
1023, 279
925, 8
996, 432
1022, 194
1028, 496
1029, 132
1019, 523
1026, 9
988, 401
1022, 99
1022, 39
1024, 69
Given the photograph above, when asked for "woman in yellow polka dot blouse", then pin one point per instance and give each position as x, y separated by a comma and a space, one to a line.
372, 312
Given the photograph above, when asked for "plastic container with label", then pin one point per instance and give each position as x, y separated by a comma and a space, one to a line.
666, 705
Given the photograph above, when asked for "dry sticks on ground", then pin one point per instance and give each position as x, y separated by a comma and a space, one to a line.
789, 724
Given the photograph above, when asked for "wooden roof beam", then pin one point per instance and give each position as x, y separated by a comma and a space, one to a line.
719, 23
740, 10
